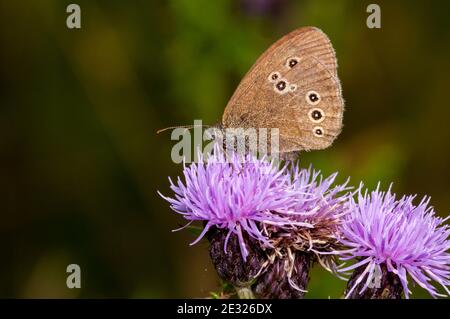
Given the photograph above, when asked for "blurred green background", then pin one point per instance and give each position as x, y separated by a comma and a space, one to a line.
79, 109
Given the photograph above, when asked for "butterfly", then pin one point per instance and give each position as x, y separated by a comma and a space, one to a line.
293, 87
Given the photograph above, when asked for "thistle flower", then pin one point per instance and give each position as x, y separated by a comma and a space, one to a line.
319, 204
394, 238
278, 219
235, 193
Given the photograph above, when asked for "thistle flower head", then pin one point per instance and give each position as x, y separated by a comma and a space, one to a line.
279, 217
381, 230
240, 194
320, 203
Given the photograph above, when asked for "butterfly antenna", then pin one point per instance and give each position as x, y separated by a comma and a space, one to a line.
180, 126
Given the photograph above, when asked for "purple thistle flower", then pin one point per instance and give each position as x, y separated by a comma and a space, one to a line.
389, 236
318, 203
280, 220
321, 204
239, 194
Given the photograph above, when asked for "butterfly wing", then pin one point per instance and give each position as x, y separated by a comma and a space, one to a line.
294, 87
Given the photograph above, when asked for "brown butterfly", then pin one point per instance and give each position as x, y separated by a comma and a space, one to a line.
294, 87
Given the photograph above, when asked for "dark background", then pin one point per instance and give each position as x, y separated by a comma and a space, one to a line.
79, 109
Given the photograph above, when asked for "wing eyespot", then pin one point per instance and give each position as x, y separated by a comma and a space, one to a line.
281, 86
316, 115
312, 98
273, 77
291, 62
318, 131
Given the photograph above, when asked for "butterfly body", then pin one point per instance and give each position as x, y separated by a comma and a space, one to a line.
292, 87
